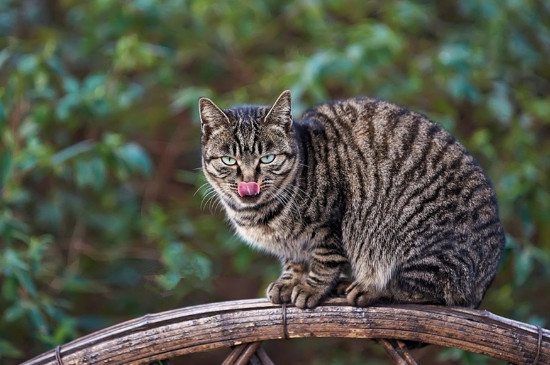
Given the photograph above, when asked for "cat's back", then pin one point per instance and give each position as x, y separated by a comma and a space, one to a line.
373, 131
376, 121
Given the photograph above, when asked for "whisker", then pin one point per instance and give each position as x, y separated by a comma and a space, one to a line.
200, 187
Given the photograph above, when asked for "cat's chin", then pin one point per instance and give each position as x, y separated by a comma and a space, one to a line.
250, 200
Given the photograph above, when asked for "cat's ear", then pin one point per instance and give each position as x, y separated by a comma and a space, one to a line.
281, 111
211, 115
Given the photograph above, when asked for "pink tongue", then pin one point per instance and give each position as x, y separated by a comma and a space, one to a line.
248, 188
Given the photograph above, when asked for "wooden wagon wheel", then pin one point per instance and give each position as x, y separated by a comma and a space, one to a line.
243, 324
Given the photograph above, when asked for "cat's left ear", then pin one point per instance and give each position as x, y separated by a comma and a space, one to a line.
281, 112
212, 116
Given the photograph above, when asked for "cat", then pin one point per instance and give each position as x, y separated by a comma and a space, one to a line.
357, 187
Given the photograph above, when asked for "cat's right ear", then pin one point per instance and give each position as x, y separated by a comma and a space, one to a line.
211, 116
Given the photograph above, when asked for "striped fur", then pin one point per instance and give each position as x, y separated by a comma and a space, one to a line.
361, 188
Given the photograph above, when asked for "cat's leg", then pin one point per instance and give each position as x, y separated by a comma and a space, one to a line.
280, 291
427, 280
415, 282
325, 265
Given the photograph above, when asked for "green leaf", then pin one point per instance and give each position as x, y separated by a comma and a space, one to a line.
27, 283
14, 313
136, 158
461, 88
38, 246
37, 318
112, 140
499, 103
66, 330
12, 262
523, 266
202, 267
71, 85
2, 116
99, 171
174, 256
168, 281
28, 63
410, 15
90, 173
95, 85
188, 98
9, 288
5, 54
72, 151
455, 55
6, 164
540, 108
128, 97
183, 263
66, 105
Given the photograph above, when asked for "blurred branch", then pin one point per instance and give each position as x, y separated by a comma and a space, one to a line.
165, 165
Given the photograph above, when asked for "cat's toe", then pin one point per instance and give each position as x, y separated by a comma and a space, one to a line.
272, 293
341, 288
279, 292
305, 296
358, 296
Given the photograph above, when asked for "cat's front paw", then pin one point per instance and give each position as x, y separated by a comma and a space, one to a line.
280, 291
306, 296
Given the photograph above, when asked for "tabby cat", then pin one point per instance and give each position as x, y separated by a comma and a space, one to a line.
356, 187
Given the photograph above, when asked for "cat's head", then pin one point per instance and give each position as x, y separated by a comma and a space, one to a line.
249, 153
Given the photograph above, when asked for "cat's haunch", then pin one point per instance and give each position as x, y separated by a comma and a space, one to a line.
359, 188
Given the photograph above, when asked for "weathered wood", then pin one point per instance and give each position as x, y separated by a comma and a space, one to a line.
391, 351
397, 351
264, 359
205, 327
405, 353
242, 354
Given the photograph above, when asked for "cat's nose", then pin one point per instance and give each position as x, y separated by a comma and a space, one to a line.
248, 188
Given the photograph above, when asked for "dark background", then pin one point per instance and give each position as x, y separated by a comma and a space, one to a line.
103, 216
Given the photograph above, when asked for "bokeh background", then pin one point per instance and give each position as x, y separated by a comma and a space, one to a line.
102, 214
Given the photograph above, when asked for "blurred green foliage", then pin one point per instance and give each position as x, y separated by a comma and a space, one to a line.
99, 140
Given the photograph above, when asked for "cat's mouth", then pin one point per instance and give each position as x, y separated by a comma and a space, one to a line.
246, 189
250, 201
249, 191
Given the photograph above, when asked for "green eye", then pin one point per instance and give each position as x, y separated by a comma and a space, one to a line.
267, 158
229, 161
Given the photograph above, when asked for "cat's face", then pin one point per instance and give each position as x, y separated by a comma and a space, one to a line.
249, 153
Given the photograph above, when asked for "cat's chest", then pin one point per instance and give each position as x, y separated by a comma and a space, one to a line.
276, 239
